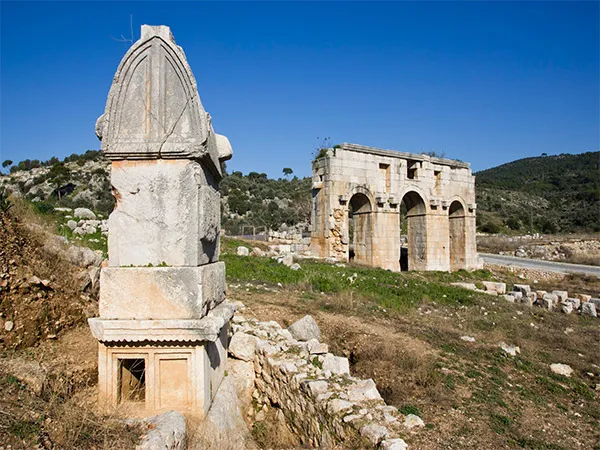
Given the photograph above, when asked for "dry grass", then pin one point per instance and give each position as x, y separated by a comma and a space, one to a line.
65, 413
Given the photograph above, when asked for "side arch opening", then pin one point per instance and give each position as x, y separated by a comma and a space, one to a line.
457, 230
360, 229
413, 229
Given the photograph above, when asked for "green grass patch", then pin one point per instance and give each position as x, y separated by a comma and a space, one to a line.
388, 289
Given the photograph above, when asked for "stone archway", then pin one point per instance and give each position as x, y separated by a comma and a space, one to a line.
457, 231
415, 255
360, 229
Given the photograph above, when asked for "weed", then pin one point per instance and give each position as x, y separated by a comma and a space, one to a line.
410, 409
499, 423
316, 362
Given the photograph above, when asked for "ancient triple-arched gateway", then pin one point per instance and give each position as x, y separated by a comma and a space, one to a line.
366, 199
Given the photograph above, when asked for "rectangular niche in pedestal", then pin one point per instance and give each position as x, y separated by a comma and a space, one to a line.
131, 380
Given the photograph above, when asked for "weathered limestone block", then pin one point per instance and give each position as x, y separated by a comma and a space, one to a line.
167, 431
562, 295
575, 301
566, 307
494, 287
363, 390
393, 444
509, 297
583, 297
337, 365
549, 301
305, 329
518, 295
588, 309
523, 288
167, 212
161, 292
242, 346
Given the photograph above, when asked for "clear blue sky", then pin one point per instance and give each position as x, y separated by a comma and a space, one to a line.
484, 82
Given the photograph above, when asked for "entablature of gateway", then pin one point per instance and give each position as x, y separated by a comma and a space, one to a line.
357, 196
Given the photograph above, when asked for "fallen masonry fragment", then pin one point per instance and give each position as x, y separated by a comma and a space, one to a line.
163, 322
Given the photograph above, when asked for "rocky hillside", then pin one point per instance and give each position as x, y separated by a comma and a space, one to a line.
549, 194
76, 181
46, 286
83, 181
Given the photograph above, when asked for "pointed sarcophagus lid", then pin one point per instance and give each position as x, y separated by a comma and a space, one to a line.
153, 109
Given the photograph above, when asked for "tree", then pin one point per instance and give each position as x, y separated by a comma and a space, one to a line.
7, 163
58, 175
287, 171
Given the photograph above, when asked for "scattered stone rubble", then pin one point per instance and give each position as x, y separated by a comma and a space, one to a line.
556, 300
311, 388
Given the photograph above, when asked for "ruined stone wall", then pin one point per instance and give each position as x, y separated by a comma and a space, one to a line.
320, 401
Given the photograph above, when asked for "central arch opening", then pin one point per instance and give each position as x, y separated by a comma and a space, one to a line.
456, 217
360, 229
413, 230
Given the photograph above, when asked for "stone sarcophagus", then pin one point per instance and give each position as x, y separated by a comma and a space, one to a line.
163, 322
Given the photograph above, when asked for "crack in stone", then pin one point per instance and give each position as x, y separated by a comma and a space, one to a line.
187, 102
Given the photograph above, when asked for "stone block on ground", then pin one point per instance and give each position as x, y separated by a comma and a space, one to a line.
242, 346
549, 301
588, 309
374, 433
566, 307
583, 297
413, 421
492, 286
167, 432
84, 213
469, 286
287, 260
518, 295
337, 365
523, 288
363, 390
305, 329
562, 295
561, 369
575, 301
317, 348
243, 251
393, 444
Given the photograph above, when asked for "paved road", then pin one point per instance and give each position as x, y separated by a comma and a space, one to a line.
550, 266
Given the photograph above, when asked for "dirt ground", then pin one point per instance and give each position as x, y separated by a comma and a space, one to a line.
471, 395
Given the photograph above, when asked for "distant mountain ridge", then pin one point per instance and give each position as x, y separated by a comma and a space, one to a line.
550, 194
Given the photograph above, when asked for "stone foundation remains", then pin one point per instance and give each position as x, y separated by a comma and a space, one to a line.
163, 322
358, 195
312, 390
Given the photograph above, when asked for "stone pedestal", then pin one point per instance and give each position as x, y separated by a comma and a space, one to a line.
163, 322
